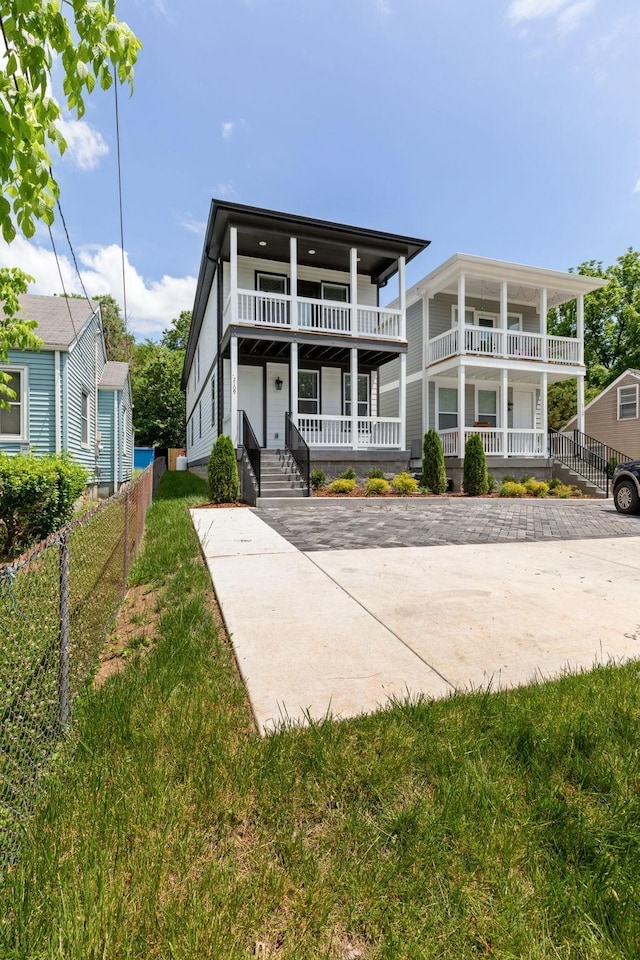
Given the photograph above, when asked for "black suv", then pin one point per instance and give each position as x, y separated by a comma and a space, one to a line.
626, 487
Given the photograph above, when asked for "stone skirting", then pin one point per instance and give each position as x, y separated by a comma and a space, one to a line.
334, 462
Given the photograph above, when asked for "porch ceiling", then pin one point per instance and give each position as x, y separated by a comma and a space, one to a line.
250, 348
514, 375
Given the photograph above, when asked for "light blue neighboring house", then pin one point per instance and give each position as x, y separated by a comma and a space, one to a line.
69, 397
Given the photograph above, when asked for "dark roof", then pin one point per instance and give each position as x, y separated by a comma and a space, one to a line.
378, 251
60, 319
114, 376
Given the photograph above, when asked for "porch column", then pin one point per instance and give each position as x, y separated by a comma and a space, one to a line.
293, 268
580, 326
293, 382
504, 410
233, 345
461, 314
544, 412
233, 272
580, 418
425, 364
461, 423
353, 260
504, 299
543, 323
402, 401
402, 290
354, 398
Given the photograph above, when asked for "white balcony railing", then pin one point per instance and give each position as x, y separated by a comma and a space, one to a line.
326, 316
519, 443
328, 431
510, 344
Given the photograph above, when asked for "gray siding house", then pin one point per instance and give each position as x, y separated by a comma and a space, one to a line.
68, 396
613, 417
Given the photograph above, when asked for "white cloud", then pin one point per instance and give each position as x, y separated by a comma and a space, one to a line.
636, 189
85, 146
571, 16
189, 223
225, 190
151, 304
227, 129
382, 7
520, 10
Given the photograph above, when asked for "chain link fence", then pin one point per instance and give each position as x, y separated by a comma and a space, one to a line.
58, 602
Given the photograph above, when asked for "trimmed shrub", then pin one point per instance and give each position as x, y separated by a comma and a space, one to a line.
434, 475
492, 486
475, 476
509, 478
376, 486
537, 488
37, 496
511, 488
376, 474
317, 479
349, 474
404, 483
564, 491
342, 485
222, 473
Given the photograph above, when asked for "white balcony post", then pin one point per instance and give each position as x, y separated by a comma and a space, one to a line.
402, 401
233, 272
461, 406
233, 345
354, 398
462, 338
580, 417
544, 413
402, 289
293, 282
504, 310
504, 410
293, 382
425, 363
543, 323
353, 261
580, 327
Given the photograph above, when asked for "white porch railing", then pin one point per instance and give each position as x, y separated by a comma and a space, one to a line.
510, 344
327, 316
519, 443
327, 431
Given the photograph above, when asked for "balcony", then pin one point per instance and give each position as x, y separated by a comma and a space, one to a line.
269, 310
505, 344
498, 442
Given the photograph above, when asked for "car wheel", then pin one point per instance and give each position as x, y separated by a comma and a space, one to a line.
625, 497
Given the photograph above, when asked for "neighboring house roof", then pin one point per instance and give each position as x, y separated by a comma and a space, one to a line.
60, 319
627, 373
114, 376
378, 251
480, 271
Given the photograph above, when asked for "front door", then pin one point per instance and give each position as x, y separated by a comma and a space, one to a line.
522, 410
251, 399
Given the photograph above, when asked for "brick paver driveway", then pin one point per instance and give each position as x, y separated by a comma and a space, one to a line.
359, 524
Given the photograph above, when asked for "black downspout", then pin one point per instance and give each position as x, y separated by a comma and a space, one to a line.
219, 385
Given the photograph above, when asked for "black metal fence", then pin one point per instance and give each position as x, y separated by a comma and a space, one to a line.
250, 443
58, 602
586, 456
299, 450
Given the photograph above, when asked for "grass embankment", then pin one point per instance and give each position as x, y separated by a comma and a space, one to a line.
500, 825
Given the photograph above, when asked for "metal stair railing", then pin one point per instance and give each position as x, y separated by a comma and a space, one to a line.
250, 443
586, 456
298, 448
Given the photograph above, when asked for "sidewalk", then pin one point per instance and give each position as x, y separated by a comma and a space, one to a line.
340, 632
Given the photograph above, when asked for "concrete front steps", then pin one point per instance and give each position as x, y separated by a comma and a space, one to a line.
279, 476
564, 472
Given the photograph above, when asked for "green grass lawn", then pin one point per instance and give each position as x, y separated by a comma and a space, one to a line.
493, 825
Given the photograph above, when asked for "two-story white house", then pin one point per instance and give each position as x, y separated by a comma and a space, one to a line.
480, 360
286, 345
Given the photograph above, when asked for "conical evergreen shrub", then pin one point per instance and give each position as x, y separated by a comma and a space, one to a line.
433, 472
224, 484
475, 476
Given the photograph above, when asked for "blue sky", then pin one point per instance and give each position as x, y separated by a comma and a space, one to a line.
503, 128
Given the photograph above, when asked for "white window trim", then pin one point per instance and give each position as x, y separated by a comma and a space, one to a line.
627, 386
445, 386
316, 374
478, 415
331, 283
23, 436
344, 395
488, 314
85, 444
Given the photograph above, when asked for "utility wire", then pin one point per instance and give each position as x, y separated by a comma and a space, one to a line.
66, 297
124, 282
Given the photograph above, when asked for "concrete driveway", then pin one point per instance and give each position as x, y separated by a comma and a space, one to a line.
514, 596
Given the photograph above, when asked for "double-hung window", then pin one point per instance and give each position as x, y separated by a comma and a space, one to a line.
447, 408
363, 394
487, 407
308, 392
13, 420
628, 402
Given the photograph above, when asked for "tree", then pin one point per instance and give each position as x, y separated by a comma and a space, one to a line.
120, 345
222, 472
158, 400
89, 43
434, 475
175, 338
475, 476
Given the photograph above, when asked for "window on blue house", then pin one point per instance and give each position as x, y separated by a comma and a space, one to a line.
13, 421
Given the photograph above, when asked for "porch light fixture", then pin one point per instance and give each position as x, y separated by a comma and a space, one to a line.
510, 405
263, 243
311, 251
278, 383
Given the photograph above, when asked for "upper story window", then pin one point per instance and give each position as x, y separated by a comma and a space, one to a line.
13, 421
628, 402
84, 419
271, 283
481, 318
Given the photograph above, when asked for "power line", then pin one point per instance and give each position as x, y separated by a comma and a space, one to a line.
124, 282
66, 297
